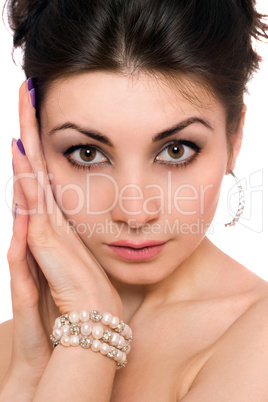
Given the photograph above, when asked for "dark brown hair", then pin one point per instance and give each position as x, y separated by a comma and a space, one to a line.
208, 40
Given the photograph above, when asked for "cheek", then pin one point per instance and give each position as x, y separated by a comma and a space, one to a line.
79, 194
196, 199
210, 198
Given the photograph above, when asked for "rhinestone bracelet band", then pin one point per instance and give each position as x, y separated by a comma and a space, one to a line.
75, 329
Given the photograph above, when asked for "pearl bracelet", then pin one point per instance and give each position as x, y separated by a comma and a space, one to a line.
74, 329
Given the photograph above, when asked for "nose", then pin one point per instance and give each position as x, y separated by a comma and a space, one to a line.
137, 205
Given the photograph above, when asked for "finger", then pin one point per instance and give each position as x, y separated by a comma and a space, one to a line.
29, 133
19, 200
28, 185
29, 130
23, 289
33, 149
18, 194
29, 339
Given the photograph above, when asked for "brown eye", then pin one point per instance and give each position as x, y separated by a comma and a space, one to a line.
176, 151
88, 154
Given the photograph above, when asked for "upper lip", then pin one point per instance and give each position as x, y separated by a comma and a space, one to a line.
130, 244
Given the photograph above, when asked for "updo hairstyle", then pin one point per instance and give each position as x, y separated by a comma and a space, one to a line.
208, 41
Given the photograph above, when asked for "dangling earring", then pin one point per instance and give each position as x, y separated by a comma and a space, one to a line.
241, 204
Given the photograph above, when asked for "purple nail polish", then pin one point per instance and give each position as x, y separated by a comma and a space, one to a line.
30, 84
32, 97
15, 211
21, 147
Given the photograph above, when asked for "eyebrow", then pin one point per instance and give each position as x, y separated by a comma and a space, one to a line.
158, 137
90, 133
181, 126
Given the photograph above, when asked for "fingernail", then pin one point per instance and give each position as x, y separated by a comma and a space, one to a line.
12, 142
31, 89
15, 211
30, 84
21, 147
13, 166
32, 97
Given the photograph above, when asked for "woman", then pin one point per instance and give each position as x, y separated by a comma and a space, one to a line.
132, 117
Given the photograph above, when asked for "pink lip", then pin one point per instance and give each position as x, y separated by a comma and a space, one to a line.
137, 251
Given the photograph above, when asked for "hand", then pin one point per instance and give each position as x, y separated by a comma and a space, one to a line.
31, 350
44, 243
75, 278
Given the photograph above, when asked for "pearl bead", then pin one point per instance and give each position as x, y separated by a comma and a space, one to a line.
74, 340
105, 348
124, 358
57, 323
74, 317
107, 318
115, 339
119, 356
65, 340
86, 328
121, 343
65, 330
96, 345
84, 315
114, 323
57, 333
97, 332
129, 334
125, 330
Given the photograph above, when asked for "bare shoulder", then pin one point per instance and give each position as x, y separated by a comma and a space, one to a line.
5, 347
237, 367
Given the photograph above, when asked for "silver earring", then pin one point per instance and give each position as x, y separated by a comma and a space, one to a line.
241, 204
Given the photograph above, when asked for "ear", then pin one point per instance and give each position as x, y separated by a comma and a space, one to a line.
236, 141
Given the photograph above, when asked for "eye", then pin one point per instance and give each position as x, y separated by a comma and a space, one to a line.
178, 152
85, 156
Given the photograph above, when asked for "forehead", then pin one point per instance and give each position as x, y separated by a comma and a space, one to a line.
112, 102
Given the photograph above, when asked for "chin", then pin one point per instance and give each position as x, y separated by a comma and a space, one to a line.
138, 274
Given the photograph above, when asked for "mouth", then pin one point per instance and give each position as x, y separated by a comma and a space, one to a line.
137, 251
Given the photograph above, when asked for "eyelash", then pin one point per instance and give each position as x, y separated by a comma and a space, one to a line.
182, 164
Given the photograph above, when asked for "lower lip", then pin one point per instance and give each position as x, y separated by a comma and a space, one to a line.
137, 254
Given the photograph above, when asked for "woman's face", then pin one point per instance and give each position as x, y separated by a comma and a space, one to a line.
136, 168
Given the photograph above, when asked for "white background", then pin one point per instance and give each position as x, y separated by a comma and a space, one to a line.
247, 242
